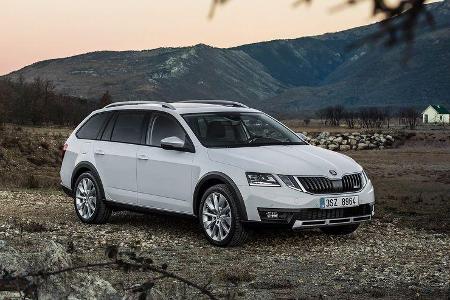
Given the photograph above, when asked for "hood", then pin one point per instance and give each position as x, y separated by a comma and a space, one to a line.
288, 160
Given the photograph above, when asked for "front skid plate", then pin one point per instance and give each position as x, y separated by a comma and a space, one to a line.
330, 222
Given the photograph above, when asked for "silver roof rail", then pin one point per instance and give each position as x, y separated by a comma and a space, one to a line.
217, 102
163, 104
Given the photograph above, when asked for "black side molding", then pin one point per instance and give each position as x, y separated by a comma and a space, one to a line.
67, 191
224, 178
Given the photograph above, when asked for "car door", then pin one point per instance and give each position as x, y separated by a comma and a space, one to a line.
115, 155
164, 176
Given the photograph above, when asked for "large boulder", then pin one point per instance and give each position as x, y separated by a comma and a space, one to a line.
52, 257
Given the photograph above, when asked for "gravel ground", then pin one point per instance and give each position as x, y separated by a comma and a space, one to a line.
383, 259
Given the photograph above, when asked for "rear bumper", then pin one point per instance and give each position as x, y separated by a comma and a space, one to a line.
316, 217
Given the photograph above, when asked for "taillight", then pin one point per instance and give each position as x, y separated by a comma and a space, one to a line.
63, 150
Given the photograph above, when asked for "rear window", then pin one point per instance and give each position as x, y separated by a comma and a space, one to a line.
128, 127
91, 128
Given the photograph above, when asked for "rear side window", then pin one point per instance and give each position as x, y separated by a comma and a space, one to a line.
128, 127
91, 128
106, 136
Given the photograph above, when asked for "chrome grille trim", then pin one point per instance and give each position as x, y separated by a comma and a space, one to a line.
323, 185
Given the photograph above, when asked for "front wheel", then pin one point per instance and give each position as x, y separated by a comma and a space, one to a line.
220, 218
340, 230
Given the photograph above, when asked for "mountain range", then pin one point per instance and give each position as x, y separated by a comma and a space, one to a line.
287, 76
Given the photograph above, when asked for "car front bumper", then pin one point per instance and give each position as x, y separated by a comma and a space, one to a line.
283, 205
317, 217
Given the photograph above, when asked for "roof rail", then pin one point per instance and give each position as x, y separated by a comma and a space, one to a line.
217, 102
163, 104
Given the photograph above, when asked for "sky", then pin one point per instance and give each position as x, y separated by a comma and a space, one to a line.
35, 30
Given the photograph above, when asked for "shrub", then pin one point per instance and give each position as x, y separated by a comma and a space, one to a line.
31, 182
45, 145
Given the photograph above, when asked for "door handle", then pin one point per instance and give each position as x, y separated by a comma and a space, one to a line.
99, 152
142, 157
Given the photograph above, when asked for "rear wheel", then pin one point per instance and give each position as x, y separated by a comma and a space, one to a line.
88, 200
220, 218
340, 230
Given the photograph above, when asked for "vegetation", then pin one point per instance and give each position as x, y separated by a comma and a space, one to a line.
368, 117
37, 103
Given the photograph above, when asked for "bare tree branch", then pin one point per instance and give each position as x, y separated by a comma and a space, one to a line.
396, 30
23, 283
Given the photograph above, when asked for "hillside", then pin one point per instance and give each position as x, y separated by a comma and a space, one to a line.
280, 76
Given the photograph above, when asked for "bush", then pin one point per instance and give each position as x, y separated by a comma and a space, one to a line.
31, 182
45, 145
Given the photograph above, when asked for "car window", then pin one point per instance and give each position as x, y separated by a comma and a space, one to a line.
106, 135
164, 126
91, 128
128, 127
240, 130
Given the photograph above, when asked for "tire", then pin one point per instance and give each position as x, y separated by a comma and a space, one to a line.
340, 230
90, 209
237, 233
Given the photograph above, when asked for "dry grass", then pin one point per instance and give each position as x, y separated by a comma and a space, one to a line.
30, 156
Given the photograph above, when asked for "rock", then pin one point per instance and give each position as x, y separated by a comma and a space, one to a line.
362, 146
344, 142
344, 147
381, 147
323, 135
353, 142
372, 146
337, 140
2, 244
52, 257
333, 147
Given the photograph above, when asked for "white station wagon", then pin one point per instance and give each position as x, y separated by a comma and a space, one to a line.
222, 162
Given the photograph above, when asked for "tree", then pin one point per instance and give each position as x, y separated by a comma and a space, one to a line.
37, 103
106, 99
410, 115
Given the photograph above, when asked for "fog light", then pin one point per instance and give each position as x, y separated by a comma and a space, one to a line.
272, 215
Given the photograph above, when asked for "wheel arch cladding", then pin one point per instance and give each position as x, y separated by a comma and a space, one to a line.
83, 167
210, 179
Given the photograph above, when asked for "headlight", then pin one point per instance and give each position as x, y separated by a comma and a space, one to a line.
290, 181
364, 178
261, 179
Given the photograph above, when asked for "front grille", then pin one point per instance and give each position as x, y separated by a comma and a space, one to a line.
323, 185
335, 213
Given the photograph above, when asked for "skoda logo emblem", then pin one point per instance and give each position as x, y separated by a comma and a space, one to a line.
333, 172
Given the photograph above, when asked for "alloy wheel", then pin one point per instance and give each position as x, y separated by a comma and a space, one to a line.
86, 198
216, 216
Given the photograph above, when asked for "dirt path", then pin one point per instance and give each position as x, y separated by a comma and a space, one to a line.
382, 259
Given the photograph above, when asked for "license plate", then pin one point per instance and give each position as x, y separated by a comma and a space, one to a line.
335, 202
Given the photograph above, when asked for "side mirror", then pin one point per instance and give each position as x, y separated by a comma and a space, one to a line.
172, 143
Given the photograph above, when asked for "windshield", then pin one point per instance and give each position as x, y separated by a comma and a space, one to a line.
224, 130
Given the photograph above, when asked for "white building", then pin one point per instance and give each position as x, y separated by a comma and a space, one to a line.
436, 114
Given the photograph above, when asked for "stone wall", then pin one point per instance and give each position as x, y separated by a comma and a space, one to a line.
350, 141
